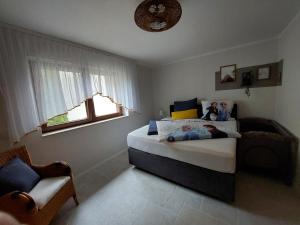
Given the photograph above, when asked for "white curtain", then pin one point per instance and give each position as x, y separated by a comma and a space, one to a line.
58, 88
41, 77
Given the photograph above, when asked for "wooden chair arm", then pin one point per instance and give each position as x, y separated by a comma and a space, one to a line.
55, 169
18, 203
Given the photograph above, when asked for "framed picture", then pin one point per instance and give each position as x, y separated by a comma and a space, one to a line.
264, 73
228, 73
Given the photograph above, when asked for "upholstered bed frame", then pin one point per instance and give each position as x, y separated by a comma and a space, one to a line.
216, 184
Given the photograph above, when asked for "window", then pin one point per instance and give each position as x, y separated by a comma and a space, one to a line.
95, 109
77, 114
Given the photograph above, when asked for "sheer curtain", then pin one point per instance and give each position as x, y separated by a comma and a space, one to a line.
58, 88
41, 77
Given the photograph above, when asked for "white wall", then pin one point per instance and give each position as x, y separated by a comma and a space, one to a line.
288, 95
87, 146
196, 78
3, 127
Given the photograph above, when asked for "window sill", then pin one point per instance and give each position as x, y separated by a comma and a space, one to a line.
81, 126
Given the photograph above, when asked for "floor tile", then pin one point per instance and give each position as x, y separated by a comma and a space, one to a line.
192, 216
116, 193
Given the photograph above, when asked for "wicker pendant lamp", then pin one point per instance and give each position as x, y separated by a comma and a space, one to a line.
157, 15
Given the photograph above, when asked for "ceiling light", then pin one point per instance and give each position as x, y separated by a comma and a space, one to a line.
157, 15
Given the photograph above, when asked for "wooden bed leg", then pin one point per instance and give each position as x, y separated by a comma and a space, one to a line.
75, 199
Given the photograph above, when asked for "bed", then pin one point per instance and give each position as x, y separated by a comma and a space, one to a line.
207, 166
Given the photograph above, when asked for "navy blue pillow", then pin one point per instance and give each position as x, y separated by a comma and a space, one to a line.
185, 105
152, 128
16, 175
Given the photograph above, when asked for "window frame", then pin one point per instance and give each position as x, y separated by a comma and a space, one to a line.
91, 118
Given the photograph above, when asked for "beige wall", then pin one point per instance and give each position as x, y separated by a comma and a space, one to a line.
288, 95
87, 146
196, 78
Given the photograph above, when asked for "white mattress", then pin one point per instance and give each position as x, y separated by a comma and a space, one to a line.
214, 154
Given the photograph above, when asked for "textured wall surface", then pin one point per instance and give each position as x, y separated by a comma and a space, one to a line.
196, 78
287, 96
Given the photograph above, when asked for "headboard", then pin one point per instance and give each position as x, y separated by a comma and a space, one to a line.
234, 112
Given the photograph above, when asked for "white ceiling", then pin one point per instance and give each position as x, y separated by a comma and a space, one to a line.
205, 26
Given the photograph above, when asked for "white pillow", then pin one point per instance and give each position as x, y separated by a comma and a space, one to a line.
165, 128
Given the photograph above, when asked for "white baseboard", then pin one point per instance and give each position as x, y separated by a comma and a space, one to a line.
99, 164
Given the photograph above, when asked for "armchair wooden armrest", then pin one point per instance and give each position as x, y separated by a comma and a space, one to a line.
55, 169
22, 206
18, 203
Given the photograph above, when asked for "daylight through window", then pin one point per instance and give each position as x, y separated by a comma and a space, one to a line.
95, 109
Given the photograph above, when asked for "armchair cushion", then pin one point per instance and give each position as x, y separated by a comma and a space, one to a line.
16, 175
46, 189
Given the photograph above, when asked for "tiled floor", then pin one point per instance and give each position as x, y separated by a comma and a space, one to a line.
118, 194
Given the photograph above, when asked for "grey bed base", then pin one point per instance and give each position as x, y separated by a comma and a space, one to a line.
213, 183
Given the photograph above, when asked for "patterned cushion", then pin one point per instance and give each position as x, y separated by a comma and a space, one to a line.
217, 110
